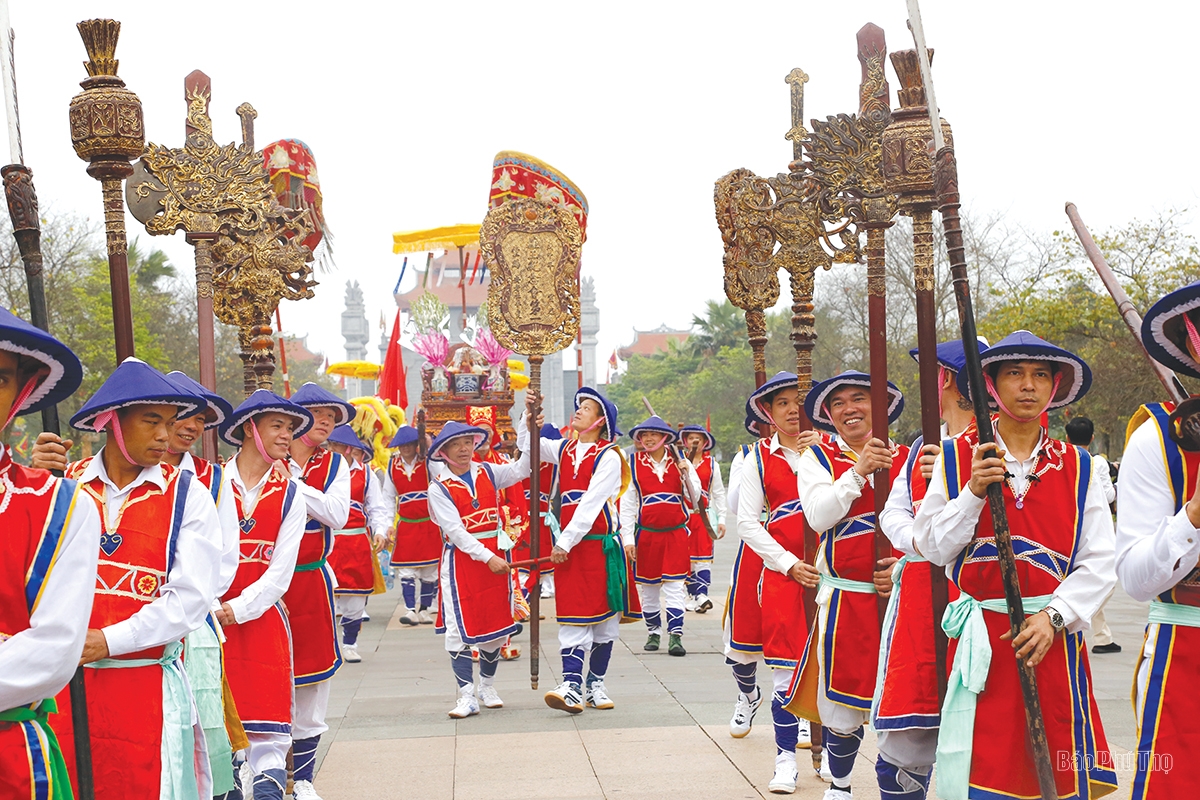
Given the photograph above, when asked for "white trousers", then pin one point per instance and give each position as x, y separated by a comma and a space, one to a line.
267, 751
427, 574
309, 705
350, 606
654, 597
909, 749
587, 635
838, 718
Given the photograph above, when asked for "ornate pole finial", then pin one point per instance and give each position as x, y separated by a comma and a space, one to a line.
100, 41
797, 134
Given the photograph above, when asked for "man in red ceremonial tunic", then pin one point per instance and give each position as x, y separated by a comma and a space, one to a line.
768, 485
416, 540
325, 485
1063, 542
836, 679
550, 528
905, 710
699, 441
271, 519
654, 516
476, 588
159, 562
1157, 550
592, 579
354, 558
47, 574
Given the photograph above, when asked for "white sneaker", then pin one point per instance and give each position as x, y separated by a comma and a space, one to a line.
703, 604
246, 775
833, 793
467, 706
303, 790
743, 714
784, 780
425, 617
350, 654
596, 697
410, 617
488, 697
803, 736
691, 604
824, 774
565, 697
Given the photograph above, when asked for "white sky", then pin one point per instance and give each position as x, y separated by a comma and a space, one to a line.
643, 105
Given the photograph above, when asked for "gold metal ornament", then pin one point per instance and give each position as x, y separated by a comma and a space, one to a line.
532, 250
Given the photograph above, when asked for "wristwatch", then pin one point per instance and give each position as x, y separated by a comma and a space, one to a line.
1056, 619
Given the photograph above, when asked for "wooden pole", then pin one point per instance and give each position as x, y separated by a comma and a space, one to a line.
535, 518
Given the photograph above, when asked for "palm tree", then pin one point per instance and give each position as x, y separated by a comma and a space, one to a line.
721, 326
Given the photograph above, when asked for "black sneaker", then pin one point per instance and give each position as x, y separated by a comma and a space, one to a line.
675, 645
651, 642
1111, 647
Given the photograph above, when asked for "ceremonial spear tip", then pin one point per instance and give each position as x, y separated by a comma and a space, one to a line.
100, 40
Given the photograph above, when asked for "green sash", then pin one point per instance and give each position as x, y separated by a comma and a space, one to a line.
846, 585
60, 780
1174, 614
963, 620
311, 566
614, 568
202, 662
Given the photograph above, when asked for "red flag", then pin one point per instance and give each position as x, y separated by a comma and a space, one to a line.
392, 381
708, 422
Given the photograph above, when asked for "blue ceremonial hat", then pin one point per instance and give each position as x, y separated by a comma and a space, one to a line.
134, 382
407, 434
1165, 333
217, 404
263, 401
1024, 346
455, 430
311, 396
752, 425
700, 429
654, 424
780, 380
814, 402
65, 372
551, 432
344, 434
610, 409
951, 354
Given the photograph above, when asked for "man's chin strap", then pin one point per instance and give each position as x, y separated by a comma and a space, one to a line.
307, 442
774, 424
102, 421
258, 442
23, 395
991, 388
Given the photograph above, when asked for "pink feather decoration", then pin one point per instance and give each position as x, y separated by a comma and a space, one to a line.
490, 349
434, 346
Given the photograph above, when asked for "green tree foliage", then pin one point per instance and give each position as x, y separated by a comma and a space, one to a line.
1020, 280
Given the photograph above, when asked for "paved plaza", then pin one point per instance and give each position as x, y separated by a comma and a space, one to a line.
390, 736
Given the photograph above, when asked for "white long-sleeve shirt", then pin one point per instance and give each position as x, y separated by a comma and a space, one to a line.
896, 521
601, 491
37, 662
186, 596
330, 508
230, 532
375, 505
750, 505
445, 514
255, 599
944, 528
826, 501
1103, 477
718, 499
631, 501
731, 497
1157, 546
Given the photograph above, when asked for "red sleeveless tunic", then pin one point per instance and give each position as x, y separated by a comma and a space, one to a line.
35, 515
581, 582
851, 634
125, 706
700, 544
316, 654
258, 652
520, 510
662, 548
743, 611
418, 540
352, 553
784, 629
210, 475
1045, 534
480, 600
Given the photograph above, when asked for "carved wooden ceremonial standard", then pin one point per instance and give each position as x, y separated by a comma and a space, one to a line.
533, 250
908, 170
108, 132
249, 251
